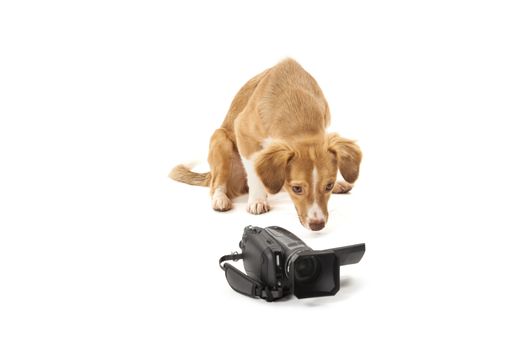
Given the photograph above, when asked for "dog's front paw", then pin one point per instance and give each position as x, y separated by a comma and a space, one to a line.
259, 206
221, 202
342, 187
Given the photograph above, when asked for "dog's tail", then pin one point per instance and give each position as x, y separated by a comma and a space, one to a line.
183, 173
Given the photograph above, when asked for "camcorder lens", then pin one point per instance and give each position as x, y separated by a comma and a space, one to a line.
315, 274
306, 269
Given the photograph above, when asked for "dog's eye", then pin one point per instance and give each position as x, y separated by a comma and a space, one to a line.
297, 189
329, 187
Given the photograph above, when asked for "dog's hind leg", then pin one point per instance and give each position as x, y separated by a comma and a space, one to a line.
220, 157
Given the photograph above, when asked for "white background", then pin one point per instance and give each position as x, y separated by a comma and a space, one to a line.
100, 99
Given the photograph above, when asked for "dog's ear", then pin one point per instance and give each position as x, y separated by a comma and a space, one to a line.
270, 166
348, 156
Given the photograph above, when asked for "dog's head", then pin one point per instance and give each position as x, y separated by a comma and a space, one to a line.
308, 173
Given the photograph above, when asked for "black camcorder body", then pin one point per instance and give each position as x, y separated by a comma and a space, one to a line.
278, 263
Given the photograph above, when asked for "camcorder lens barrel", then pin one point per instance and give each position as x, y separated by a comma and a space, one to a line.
307, 269
315, 273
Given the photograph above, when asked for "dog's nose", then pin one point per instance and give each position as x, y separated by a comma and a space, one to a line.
316, 225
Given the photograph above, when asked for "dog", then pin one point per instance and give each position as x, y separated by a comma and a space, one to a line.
274, 137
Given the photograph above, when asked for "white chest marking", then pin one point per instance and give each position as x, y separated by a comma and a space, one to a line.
256, 187
266, 142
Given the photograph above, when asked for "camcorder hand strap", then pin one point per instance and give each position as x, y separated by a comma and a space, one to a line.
244, 284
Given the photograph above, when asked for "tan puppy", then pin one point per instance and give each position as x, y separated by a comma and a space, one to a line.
274, 137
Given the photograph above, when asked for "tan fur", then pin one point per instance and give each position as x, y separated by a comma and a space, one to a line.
348, 156
182, 173
271, 165
285, 105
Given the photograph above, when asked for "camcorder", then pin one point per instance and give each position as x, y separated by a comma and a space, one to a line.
278, 263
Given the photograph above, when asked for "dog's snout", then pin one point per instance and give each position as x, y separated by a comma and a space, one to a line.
316, 225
